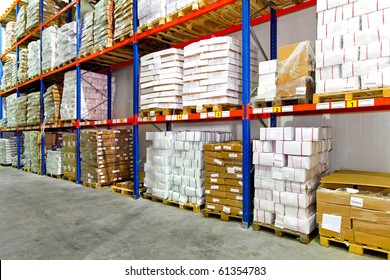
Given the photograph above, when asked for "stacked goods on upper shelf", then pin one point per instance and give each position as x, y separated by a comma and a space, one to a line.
352, 45
34, 108
10, 34
213, 72
174, 166
353, 207
149, 11
103, 27
93, 96
268, 75
8, 79
162, 80
23, 65
51, 8
11, 110
21, 111
52, 103
223, 177
123, 18
54, 162
33, 61
8, 149
288, 165
49, 48
87, 34
66, 43
69, 147
106, 156
20, 30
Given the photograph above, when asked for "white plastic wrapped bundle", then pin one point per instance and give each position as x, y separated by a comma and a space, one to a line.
33, 59
8, 150
66, 43
35, 151
32, 14
54, 162
26, 161
123, 14
23, 65
103, 28
93, 96
21, 109
11, 110
52, 102
20, 30
49, 48
87, 34
10, 34
9, 78
150, 10
34, 108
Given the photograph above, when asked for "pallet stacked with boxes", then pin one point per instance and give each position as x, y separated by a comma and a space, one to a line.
213, 73
150, 11
33, 59
123, 15
223, 179
103, 24
10, 30
162, 82
21, 111
20, 29
7, 80
66, 43
106, 157
8, 150
23, 65
352, 50
288, 165
11, 110
353, 208
69, 148
55, 162
34, 108
49, 48
87, 34
52, 103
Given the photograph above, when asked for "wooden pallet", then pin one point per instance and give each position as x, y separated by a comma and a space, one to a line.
210, 108
26, 169
159, 112
126, 192
48, 70
154, 23
184, 11
303, 238
193, 207
124, 37
353, 248
351, 95
223, 216
67, 178
95, 185
54, 176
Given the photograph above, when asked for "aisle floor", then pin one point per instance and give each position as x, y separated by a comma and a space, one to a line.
46, 218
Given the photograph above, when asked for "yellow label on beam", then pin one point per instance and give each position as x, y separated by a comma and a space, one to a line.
277, 109
179, 117
352, 104
218, 114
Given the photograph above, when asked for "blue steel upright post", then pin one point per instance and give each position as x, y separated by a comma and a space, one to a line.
78, 94
18, 133
42, 88
135, 101
1, 74
274, 53
246, 129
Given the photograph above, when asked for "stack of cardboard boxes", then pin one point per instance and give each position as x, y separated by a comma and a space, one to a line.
123, 18
49, 48
288, 165
69, 148
8, 150
51, 8
66, 43
223, 177
34, 108
10, 39
7, 80
20, 30
23, 65
354, 206
21, 111
103, 24
52, 100
33, 59
87, 34
54, 162
106, 156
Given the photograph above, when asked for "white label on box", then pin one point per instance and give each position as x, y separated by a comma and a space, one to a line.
239, 176
211, 207
215, 187
174, 117
211, 115
214, 175
226, 209
239, 197
356, 201
268, 110
331, 222
232, 155
225, 114
279, 224
235, 190
168, 118
286, 109
217, 148
227, 148
217, 161
338, 105
203, 115
230, 170
151, 113
240, 183
184, 117
212, 180
258, 111
216, 200
366, 102
322, 106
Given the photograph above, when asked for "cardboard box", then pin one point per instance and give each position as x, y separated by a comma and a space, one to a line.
234, 183
371, 201
346, 223
235, 189
263, 216
222, 188
232, 146
215, 193
345, 234
334, 209
215, 169
333, 196
213, 154
215, 181
209, 174
372, 228
234, 196
232, 155
370, 215
372, 240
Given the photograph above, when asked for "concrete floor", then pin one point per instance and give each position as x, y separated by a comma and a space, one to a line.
46, 218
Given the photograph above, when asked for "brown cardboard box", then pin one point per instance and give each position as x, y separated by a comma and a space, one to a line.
215, 181
232, 146
235, 189
213, 147
370, 215
372, 201
214, 174
214, 206
231, 161
333, 196
224, 201
232, 155
215, 193
213, 154
233, 203
334, 209
222, 188
345, 234
345, 222
213, 161
215, 169
213, 200
372, 228
234, 196
372, 240
234, 183
233, 176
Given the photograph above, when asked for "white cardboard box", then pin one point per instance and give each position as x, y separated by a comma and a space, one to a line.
330, 15
277, 133
375, 50
305, 226
266, 183
263, 216
263, 146
268, 206
376, 79
308, 134
297, 148
266, 67
329, 44
330, 72
375, 19
298, 175
303, 162
269, 159
300, 200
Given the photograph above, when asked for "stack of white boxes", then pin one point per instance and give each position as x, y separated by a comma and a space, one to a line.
150, 10
54, 162
123, 16
8, 80
34, 108
35, 151
162, 80
23, 65
33, 61
103, 26
351, 45
268, 73
288, 165
93, 96
10, 38
174, 167
8, 150
26, 160
213, 72
49, 48
21, 111
87, 34
15, 157
66, 43
20, 30
11, 110
32, 14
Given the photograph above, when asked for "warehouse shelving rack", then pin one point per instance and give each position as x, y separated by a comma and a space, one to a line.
129, 50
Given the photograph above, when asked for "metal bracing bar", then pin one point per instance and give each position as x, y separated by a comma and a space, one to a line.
135, 101
258, 44
246, 129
